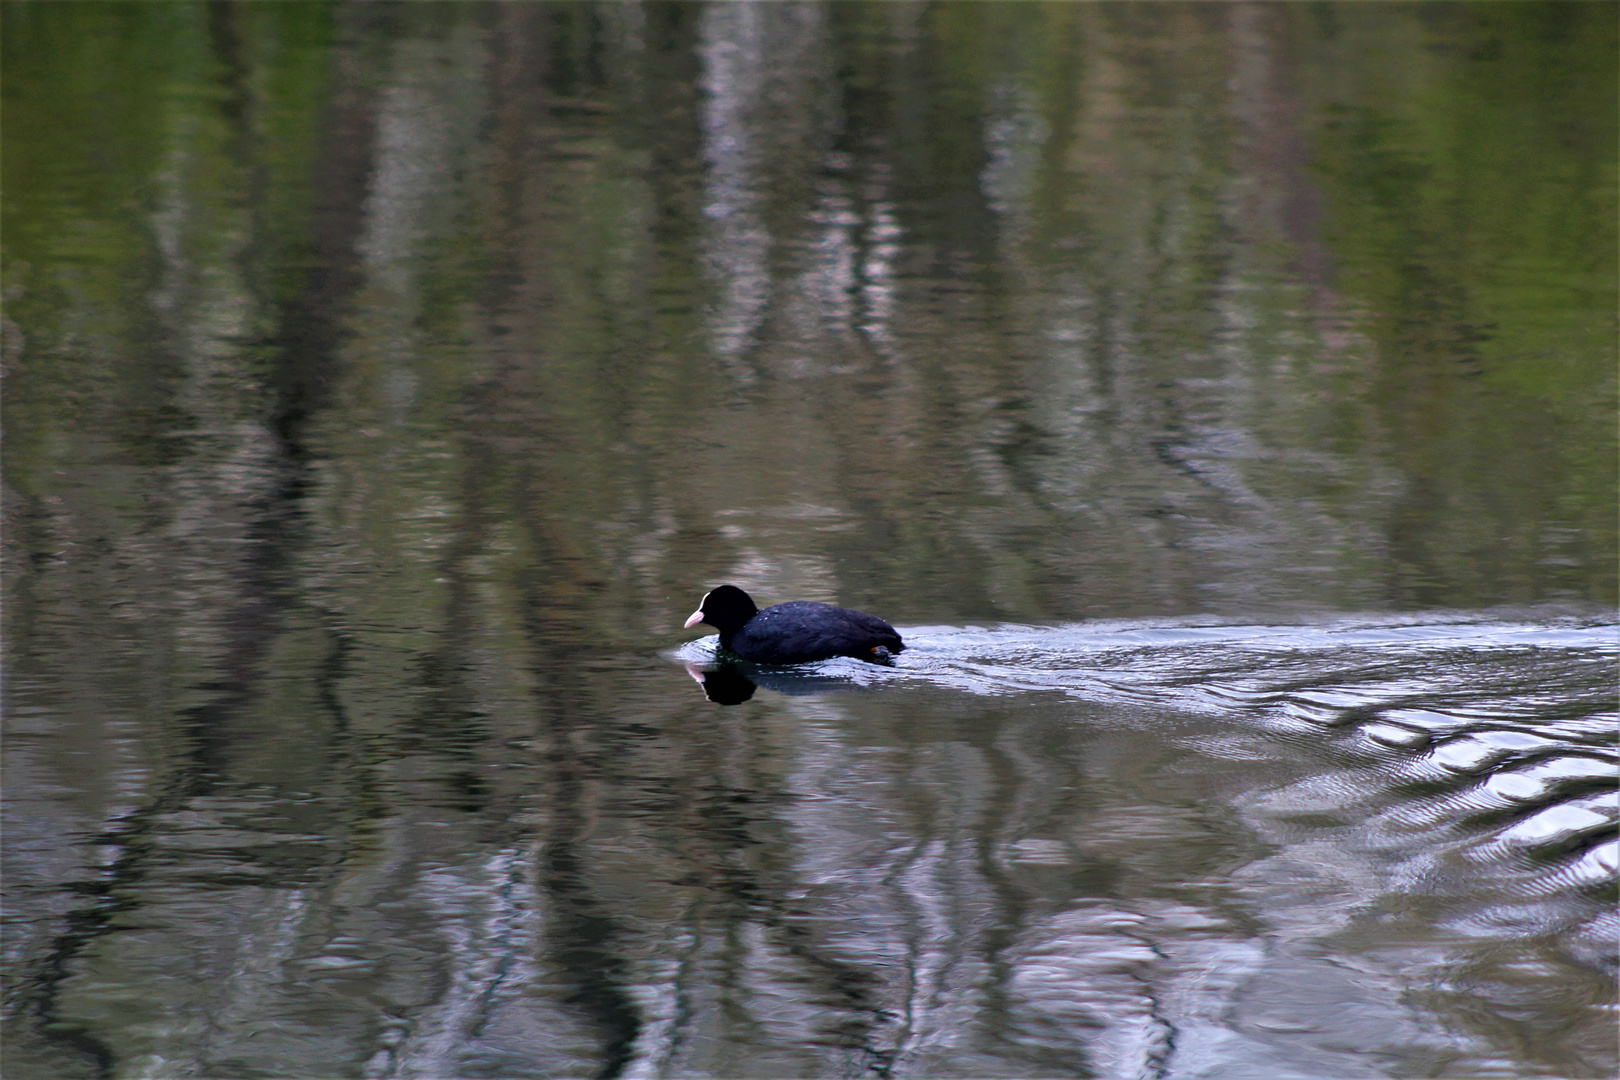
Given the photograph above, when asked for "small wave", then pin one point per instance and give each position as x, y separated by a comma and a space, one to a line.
1467, 748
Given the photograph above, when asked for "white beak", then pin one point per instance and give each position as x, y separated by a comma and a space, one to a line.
695, 618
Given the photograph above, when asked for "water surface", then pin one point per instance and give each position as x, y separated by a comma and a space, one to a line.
1220, 398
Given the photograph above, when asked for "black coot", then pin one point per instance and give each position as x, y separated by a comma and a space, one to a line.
793, 633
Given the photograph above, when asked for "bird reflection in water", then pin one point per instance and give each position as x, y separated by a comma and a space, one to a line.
730, 683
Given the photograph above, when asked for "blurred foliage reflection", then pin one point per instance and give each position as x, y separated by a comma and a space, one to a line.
384, 383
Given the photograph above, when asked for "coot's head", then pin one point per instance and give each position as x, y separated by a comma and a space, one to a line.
725, 609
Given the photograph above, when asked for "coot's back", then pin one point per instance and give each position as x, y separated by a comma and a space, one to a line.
802, 630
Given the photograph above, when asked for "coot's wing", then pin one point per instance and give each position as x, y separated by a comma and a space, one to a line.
872, 632
801, 631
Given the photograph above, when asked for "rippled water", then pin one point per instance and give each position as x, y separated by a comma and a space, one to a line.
1220, 398
1205, 848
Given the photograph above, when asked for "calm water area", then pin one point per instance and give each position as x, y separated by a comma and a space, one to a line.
1219, 398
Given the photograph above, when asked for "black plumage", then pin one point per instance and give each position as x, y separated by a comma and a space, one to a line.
793, 633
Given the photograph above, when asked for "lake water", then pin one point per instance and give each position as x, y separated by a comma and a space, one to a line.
1219, 398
